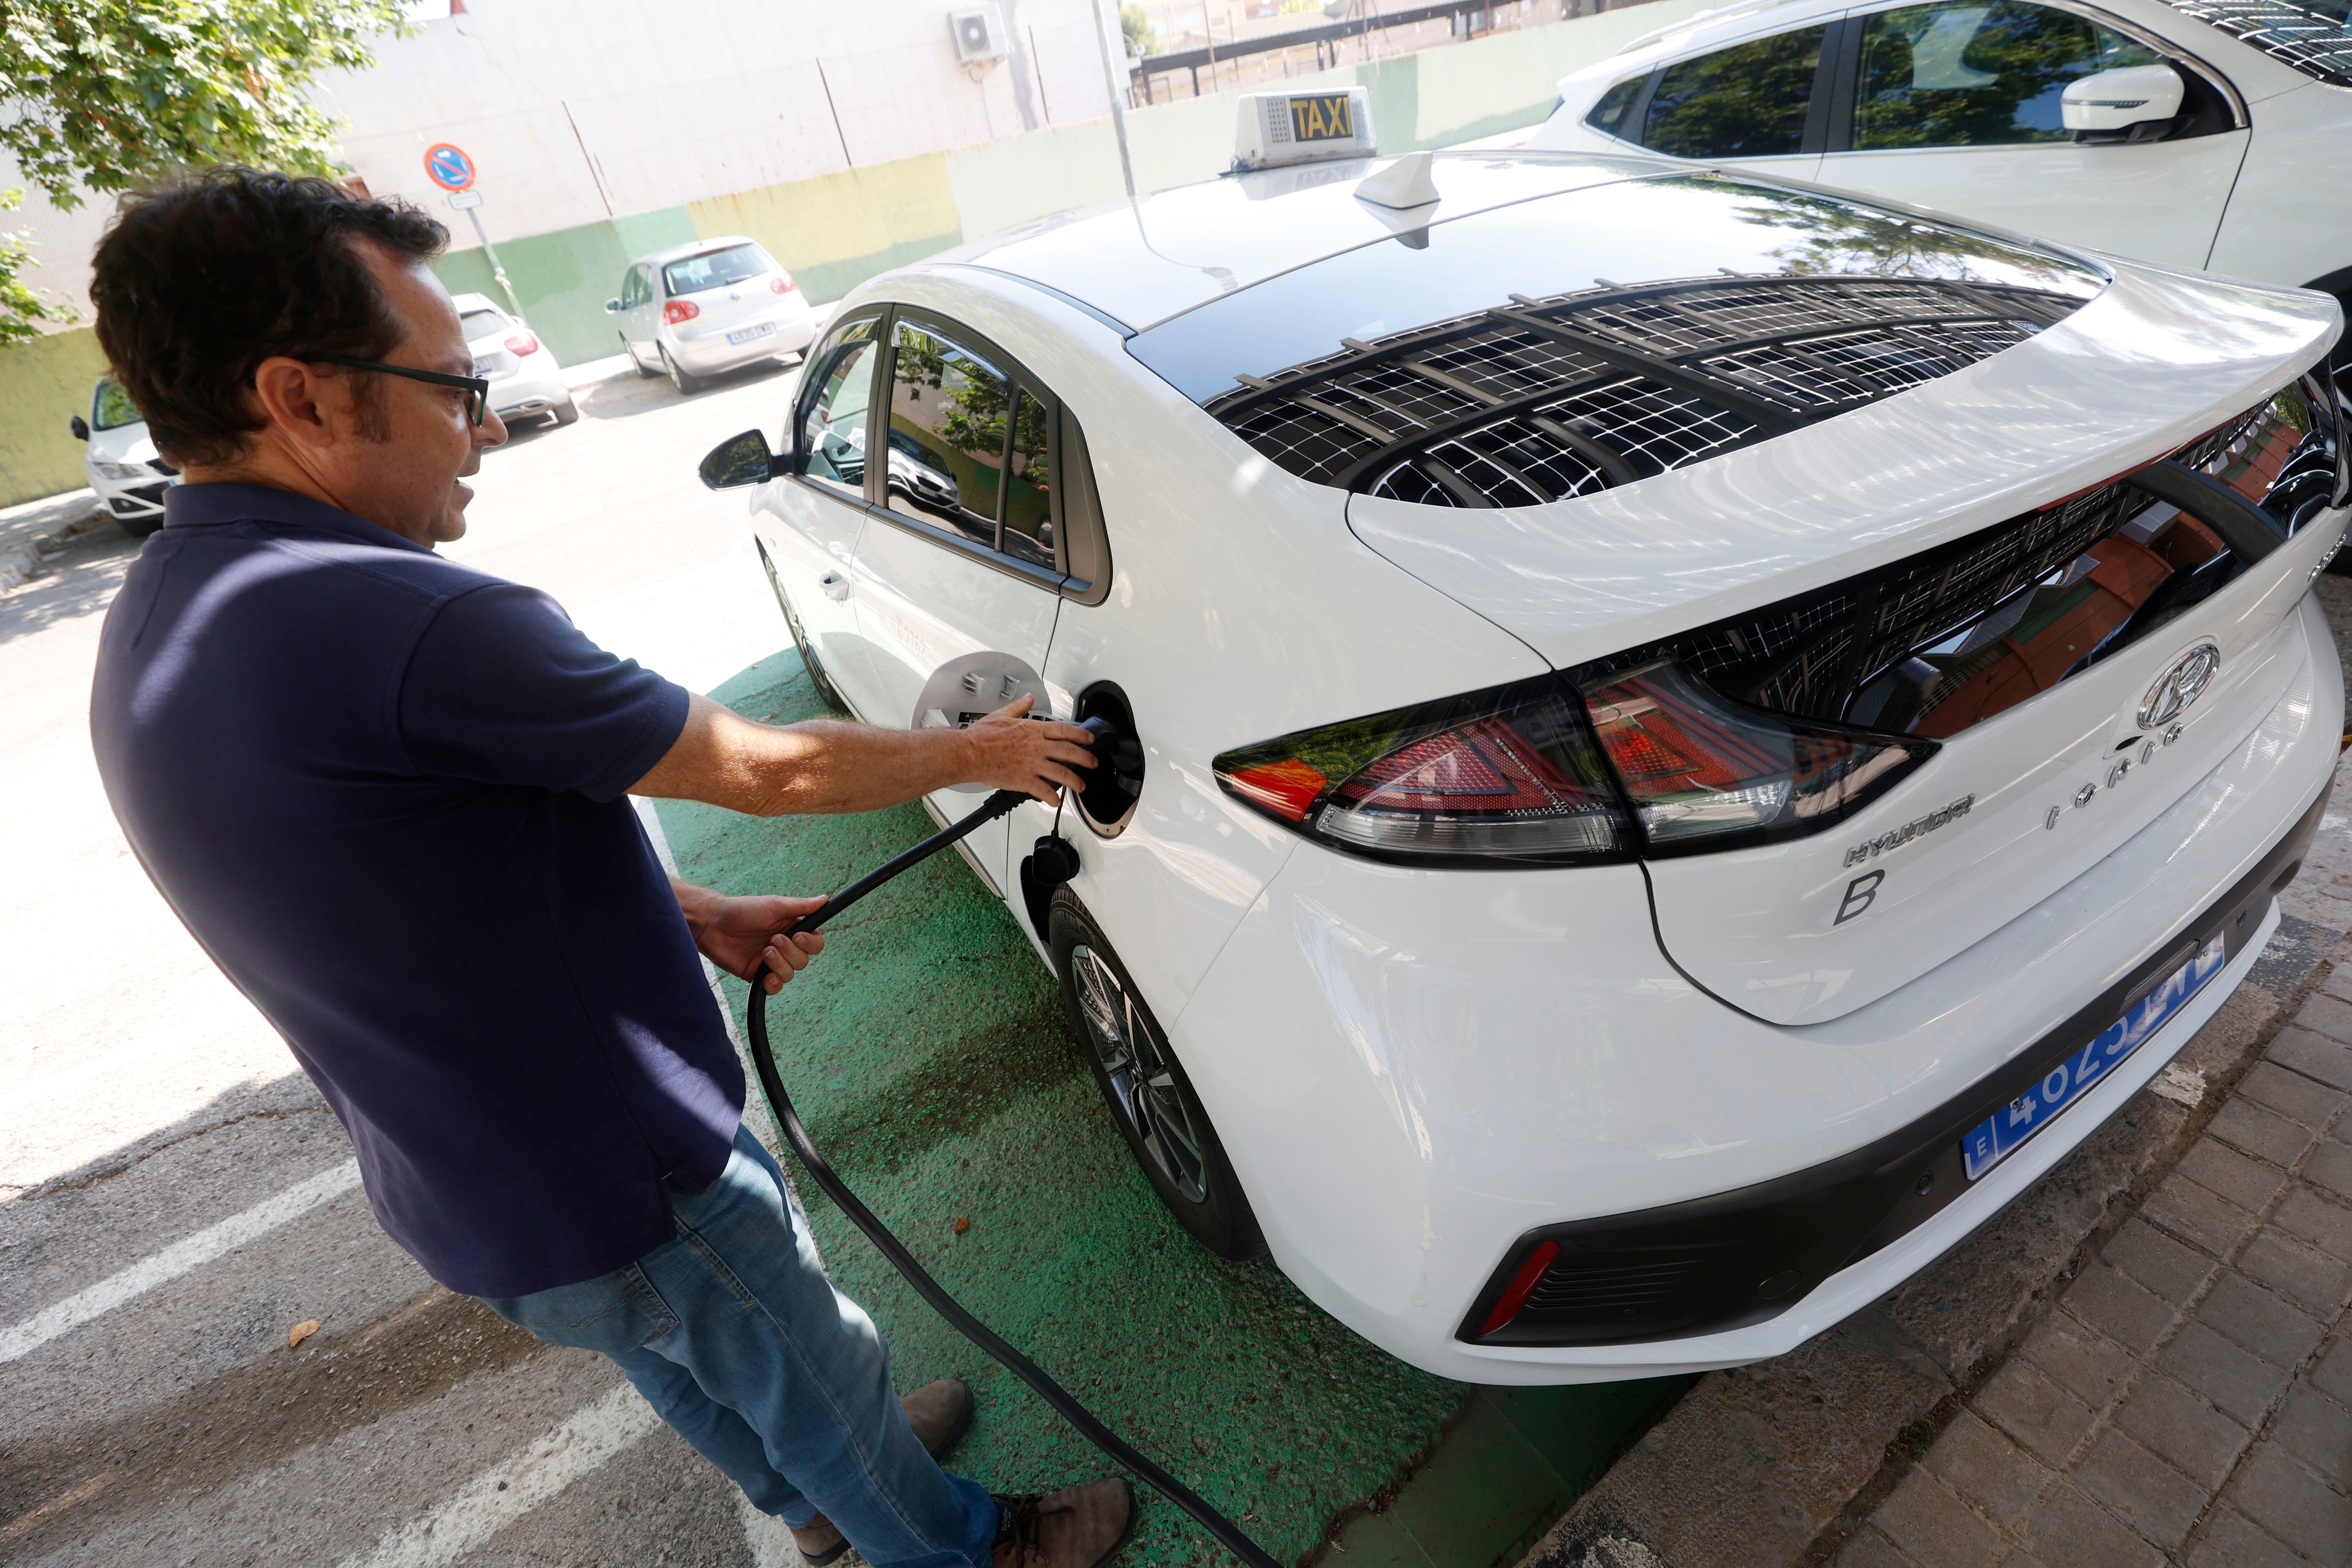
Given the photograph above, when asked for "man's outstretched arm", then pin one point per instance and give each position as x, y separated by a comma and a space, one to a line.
826, 765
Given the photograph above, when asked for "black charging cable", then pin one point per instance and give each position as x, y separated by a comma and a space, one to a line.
780, 1104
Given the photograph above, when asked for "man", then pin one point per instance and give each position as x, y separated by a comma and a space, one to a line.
385, 794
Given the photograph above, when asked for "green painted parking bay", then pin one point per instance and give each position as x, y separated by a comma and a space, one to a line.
929, 1053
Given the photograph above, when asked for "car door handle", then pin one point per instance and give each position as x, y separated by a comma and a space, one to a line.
835, 586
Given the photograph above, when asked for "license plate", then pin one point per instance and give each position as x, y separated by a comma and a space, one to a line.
1325, 117
2000, 1135
765, 329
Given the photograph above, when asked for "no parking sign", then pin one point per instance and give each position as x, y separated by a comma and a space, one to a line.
447, 165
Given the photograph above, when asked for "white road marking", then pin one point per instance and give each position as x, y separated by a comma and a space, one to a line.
188, 1252
771, 1542
505, 1492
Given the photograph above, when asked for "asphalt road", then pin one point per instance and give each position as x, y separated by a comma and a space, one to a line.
175, 1197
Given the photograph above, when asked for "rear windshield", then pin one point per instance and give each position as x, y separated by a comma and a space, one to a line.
481, 323
2314, 37
112, 409
716, 269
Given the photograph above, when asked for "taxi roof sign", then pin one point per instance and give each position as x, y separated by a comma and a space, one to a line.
1279, 127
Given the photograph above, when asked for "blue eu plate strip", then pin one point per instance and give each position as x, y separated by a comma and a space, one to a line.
2000, 1135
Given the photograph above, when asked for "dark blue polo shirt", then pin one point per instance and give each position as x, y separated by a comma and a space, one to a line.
386, 794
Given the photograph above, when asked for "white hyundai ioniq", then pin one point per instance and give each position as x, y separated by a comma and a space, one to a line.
1697, 736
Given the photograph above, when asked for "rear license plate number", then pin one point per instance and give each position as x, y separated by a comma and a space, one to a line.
765, 329
2000, 1135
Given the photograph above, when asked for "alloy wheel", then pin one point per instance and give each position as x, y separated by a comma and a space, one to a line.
1142, 1079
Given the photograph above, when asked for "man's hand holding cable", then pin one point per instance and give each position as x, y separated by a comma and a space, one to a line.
744, 936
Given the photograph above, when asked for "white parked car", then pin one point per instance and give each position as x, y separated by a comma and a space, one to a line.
1695, 737
121, 462
526, 379
698, 310
2196, 134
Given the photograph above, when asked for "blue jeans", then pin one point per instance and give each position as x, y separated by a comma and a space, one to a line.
736, 1339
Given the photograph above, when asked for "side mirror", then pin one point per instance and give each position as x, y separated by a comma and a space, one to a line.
613, 306
737, 461
2137, 104
81, 428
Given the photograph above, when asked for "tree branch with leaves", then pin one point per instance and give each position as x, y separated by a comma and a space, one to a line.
104, 95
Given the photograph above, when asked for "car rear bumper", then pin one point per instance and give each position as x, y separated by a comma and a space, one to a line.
528, 390
1416, 1073
705, 351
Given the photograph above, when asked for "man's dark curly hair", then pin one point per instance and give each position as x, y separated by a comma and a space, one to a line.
199, 281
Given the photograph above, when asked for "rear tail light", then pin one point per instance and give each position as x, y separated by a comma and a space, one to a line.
522, 343
1699, 770
1505, 774
678, 311
1646, 761
781, 283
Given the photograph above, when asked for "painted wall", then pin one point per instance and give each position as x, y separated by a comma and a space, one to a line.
43, 383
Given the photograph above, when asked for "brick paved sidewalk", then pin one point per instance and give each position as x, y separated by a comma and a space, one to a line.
2190, 1400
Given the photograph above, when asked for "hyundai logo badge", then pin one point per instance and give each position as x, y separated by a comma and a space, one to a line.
2183, 683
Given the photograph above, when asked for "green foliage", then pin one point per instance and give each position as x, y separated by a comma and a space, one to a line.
21, 305
1747, 102
110, 94
1137, 26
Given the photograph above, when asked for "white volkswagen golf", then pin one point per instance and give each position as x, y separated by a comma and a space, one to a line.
1696, 736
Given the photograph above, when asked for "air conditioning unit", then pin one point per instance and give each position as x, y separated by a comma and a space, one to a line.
978, 34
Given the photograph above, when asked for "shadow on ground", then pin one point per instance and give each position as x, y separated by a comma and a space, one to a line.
929, 1053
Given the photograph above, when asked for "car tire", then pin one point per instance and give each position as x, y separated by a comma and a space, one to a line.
815, 667
1151, 1099
687, 383
566, 412
635, 364
139, 527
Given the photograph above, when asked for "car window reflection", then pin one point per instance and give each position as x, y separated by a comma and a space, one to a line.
948, 426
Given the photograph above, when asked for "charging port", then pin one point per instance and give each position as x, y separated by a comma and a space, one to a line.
1116, 782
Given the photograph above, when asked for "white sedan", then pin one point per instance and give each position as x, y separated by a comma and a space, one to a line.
2196, 134
1696, 736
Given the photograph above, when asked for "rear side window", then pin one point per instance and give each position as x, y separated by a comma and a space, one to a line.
716, 269
1609, 114
1029, 484
1747, 102
1977, 75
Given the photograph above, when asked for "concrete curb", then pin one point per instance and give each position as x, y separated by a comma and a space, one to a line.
36, 529
1778, 1463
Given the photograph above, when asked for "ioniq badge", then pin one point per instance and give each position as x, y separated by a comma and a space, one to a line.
2183, 683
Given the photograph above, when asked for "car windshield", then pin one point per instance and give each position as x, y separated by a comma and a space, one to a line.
112, 409
715, 270
2314, 37
481, 323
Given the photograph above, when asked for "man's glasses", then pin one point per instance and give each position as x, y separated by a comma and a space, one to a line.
478, 389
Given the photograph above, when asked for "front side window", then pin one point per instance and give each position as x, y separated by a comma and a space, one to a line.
833, 423
1974, 74
1747, 102
716, 269
949, 409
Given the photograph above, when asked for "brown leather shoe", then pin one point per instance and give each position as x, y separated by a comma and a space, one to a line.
1076, 1527
940, 1413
